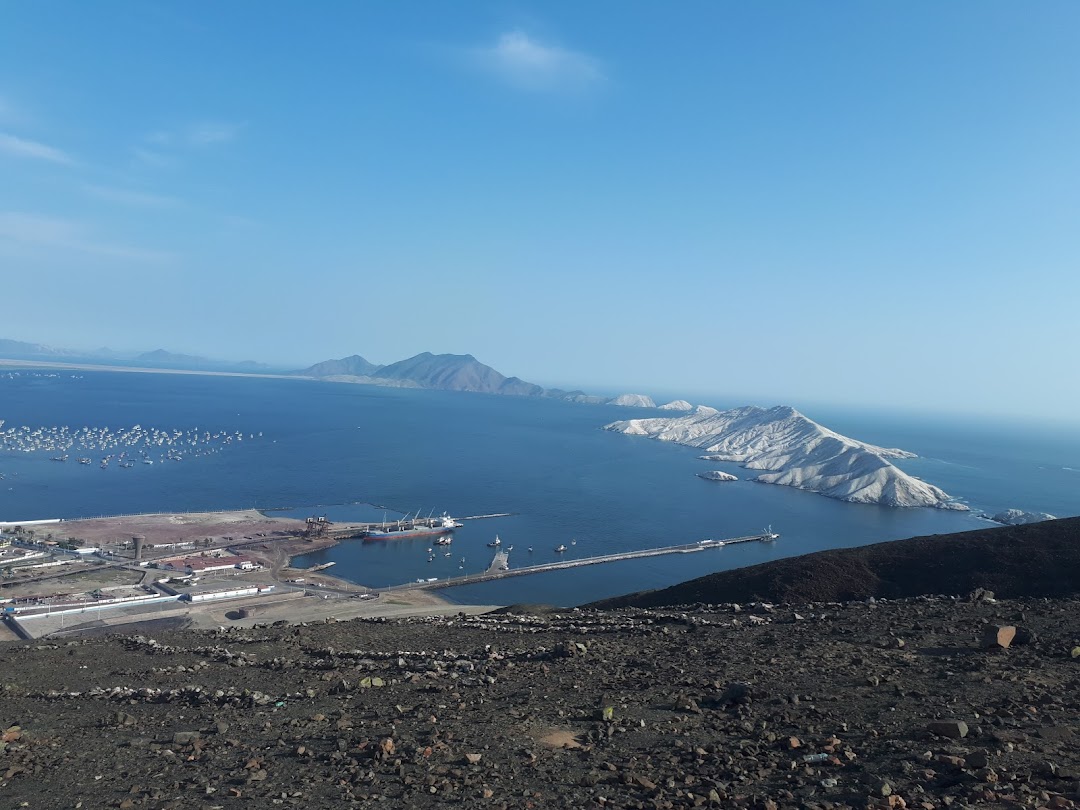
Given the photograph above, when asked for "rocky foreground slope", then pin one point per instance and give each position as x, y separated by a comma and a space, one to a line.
860, 705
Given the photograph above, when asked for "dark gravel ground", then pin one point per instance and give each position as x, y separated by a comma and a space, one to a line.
824, 706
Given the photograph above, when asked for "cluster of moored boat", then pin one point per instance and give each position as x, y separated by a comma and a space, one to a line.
14, 375
497, 543
134, 444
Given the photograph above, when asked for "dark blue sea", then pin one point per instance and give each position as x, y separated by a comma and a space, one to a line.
353, 452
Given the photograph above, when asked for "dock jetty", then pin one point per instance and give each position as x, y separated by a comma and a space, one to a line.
500, 565
319, 527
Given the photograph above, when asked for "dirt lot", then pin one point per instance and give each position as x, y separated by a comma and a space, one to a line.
90, 578
175, 528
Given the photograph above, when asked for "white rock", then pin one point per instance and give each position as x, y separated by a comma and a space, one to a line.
794, 451
677, 405
633, 401
717, 475
1017, 517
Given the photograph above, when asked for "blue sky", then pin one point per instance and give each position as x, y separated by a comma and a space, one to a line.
864, 203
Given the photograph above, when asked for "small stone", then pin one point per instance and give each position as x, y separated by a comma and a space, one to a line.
685, 703
1025, 635
473, 759
386, 745
185, 737
644, 782
947, 759
794, 742
955, 729
998, 636
977, 759
737, 692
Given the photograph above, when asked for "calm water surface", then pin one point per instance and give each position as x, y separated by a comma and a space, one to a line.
328, 448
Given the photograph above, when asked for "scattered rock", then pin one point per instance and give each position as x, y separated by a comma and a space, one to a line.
998, 636
954, 729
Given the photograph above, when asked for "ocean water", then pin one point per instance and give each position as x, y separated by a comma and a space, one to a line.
358, 452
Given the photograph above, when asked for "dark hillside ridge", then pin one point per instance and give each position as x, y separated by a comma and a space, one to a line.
456, 372
1037, 559
353, 366
446, 372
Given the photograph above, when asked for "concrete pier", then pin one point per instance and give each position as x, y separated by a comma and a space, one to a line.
499, 567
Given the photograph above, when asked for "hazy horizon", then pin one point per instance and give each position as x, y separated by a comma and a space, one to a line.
867, 204
820, 409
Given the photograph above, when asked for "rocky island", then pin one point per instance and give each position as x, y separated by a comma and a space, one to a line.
1018, 517
794, 451
717, 475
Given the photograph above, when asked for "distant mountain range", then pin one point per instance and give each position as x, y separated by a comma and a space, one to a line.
159, 358
446, 372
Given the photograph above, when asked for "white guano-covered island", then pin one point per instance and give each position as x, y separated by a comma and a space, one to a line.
717, 475
795, 451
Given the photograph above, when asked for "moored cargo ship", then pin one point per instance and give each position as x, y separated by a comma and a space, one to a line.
413, 527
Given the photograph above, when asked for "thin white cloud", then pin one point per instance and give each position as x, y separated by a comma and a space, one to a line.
526, 63
211, 132
167, 143
149, 157
138, 199
67, 236
23, 148
12, 114
239, 221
